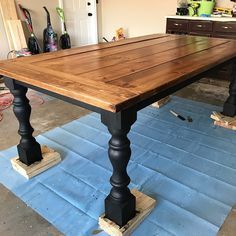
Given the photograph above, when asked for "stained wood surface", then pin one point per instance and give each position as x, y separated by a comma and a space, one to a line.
116, 76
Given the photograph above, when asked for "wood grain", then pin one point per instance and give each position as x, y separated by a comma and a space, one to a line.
116, 76
8, 12
17, 34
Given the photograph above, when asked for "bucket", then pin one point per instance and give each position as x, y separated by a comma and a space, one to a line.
206, 7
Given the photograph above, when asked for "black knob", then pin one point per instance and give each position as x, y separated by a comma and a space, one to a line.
89, 3
90, 14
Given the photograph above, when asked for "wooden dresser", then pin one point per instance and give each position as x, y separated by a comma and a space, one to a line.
209, 27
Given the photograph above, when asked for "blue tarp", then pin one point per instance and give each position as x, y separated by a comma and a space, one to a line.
190, 168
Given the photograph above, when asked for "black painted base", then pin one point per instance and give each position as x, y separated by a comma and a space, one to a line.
120, 212
229, 110
30, 155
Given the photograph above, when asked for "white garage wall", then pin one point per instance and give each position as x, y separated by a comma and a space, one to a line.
225, 3
137, 17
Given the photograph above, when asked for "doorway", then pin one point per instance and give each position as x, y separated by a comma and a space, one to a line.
81, 20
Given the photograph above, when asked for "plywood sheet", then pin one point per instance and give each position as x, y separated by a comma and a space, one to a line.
17, 34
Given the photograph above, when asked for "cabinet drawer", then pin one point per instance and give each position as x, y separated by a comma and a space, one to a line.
200, 26
178, 25
225, 27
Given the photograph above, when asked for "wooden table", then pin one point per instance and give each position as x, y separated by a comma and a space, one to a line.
115, 80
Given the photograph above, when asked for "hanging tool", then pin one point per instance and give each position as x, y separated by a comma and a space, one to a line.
33, 44
65, 38
50, 40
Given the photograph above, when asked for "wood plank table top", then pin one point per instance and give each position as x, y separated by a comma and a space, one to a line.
116, 76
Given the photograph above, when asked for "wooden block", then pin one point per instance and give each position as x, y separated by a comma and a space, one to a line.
17, 34
222, 124
229, 226
144, 206
224, 121
161, 102
50, 158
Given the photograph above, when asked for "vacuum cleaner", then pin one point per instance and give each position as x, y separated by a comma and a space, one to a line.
50, 40
65, 38
33, 44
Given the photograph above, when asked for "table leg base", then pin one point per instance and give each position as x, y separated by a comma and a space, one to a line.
229, 110
50, 159
118, 212
144, 206
30, 155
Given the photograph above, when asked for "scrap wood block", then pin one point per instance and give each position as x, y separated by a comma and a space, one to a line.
222, 124
229, 226
224, 121
161, 102
50, 159
144, 206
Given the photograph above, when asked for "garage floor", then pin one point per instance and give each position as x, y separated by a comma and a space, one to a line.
15, 217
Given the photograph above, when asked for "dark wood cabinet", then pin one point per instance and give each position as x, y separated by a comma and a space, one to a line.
224, 30
208, 28
204, 28
220, 29
177, 26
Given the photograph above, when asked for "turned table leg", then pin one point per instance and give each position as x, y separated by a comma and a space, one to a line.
28, 149
230, 104
120, 203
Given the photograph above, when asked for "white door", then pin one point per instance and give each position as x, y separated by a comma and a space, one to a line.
81, 21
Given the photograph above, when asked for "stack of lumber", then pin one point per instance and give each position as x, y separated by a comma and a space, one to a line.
13, 25
224, 121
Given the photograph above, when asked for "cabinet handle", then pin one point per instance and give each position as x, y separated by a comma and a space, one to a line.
176, 24
226, 27
199, 26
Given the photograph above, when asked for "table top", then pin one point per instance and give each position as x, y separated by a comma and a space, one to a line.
116, 76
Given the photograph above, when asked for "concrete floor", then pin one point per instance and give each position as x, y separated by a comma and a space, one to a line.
15, 217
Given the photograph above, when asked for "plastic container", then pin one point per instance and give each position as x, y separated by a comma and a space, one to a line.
206, 7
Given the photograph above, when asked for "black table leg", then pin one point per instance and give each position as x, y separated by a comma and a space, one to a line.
230, 104
28, 149
120, 203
